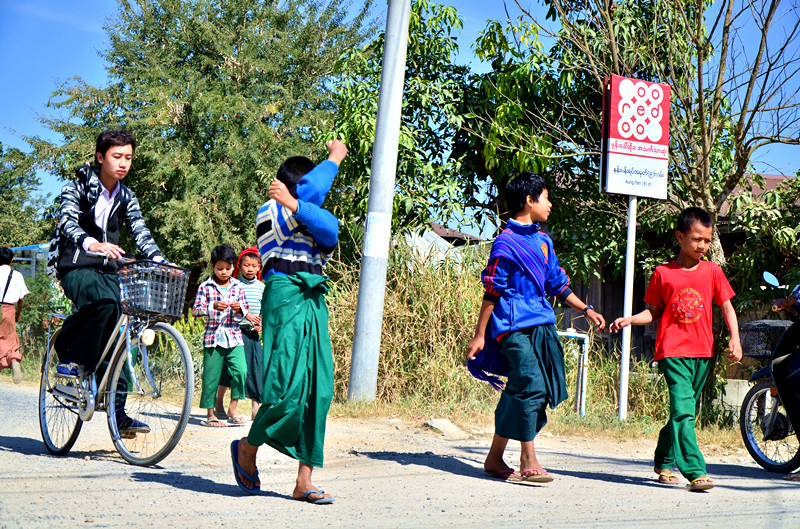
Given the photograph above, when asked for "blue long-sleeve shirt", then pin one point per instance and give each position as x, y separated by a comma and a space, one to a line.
522, 272
303, 241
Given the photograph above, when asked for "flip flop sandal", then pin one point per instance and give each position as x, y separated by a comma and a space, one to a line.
667, 478
213, 423
534, 475
505, 475
237, 469
701, 484
319, 501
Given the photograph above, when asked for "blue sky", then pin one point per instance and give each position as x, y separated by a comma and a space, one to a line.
45, 42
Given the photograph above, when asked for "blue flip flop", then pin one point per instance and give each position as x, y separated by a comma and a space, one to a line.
318, 501
237, 469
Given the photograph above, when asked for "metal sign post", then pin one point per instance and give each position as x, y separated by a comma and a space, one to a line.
627, 309
634, 162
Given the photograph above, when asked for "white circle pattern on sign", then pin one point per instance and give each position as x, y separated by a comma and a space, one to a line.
640, 111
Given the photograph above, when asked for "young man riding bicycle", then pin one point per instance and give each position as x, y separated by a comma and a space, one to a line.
92, 209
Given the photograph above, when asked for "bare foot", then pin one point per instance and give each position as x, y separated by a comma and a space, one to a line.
303, 487
233, 408
219, 407
247, 460
494, 467
528, 462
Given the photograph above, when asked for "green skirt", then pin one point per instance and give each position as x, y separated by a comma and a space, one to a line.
536, 380
298, 368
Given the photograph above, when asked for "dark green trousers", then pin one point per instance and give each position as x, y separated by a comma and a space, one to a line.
95, 311
218, 360
677, 441
254, 356
96, 308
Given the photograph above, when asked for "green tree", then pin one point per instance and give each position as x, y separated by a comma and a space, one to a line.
218, 93
21, 219
529, 113
770, 223
428, 182
730, 95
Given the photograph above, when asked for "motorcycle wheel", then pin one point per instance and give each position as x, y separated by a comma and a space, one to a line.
782, 455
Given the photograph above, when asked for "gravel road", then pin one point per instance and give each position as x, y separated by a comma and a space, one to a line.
383, 472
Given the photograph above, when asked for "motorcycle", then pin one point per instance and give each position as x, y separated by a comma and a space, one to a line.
770, 414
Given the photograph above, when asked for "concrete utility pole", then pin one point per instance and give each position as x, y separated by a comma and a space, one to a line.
372, 283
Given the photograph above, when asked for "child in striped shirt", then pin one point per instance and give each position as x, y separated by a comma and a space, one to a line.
296, 236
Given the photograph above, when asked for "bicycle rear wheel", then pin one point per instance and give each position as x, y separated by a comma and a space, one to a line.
58, 417
146, 422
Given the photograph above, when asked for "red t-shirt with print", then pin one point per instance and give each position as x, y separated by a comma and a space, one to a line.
685, 326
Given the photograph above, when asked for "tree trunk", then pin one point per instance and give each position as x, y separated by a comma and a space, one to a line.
715, 252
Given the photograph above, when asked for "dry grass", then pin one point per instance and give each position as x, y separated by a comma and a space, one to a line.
429, 317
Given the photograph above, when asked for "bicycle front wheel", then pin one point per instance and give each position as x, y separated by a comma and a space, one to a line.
58, 416
148, 409
779, 453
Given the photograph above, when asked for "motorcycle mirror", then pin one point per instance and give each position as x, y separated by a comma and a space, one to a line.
770, 279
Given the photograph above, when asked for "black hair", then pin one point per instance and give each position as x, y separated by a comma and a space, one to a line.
223, 252
6, 255
292, 170
520, 187
689, 216
113, 138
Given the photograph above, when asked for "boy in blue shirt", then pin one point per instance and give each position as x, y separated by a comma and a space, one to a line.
296, 236
516, 335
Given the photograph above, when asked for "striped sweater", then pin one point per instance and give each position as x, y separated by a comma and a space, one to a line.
300, 242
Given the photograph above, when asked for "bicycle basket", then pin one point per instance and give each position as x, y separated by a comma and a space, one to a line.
153, 290
759, 337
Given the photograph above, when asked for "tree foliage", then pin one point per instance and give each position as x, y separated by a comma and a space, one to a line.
531, 112
732, 67
770, 221
218, 93
428, 185
22, 214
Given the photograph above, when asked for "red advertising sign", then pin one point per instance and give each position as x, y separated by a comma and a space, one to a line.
635, 138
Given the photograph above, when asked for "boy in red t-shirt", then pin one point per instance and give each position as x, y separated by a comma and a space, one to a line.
680, 295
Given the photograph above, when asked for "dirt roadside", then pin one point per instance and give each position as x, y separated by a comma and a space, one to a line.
383, 472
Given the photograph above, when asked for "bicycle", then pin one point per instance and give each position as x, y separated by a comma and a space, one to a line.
149, 375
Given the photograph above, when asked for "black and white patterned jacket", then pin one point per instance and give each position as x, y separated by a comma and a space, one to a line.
76, 222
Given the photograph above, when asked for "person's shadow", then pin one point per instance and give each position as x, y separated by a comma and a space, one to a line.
460, 466
193, 483
473, 467
22, 445
35, 447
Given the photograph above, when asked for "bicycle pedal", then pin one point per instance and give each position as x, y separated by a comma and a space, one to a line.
70, 371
